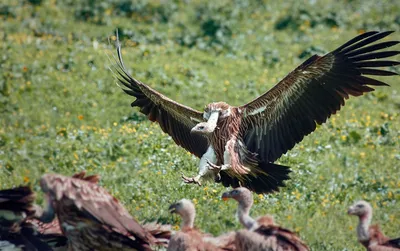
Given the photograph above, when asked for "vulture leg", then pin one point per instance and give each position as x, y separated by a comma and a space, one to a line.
208, 157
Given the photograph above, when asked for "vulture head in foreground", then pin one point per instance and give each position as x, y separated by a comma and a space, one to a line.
186, 210
190, 238
91, 218
238, 145
261, 233
371, 236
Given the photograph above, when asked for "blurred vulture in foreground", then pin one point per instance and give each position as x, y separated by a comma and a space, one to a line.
261, 234
92, 219
19, 230
238, 145
190, 238
371, 237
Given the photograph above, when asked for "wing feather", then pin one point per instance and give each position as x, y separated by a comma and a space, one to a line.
96, 203
174, 119
277, 120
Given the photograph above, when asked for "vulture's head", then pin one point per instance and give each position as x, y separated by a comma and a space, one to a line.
186, 210
360, 208
212, 113
203, 128
241, 194
182, 207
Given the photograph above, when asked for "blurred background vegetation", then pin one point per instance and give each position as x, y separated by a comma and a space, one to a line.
61, 110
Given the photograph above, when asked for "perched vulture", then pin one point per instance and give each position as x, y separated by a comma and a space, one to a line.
370, 236
190, 238
261, 234
238, 145
19, 230
92, 219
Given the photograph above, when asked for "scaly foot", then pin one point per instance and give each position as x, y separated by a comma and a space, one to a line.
195, 180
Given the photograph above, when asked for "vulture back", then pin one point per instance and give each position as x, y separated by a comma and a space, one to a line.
272, 238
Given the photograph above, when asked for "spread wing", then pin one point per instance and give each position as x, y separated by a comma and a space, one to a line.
175, 119
96, 203
277, 120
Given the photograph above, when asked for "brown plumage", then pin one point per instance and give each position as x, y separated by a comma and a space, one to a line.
91, 218
263, 233
371, 237
50, 233
238, 145
190, 238
19, 230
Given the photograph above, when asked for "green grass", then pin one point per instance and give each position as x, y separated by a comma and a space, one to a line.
61, 110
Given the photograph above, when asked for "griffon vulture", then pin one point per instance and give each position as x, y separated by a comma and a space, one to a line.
238, 145
371, 237
261, 233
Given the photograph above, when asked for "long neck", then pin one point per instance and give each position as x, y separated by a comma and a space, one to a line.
188, 220
244, 217
46, 215
363, 227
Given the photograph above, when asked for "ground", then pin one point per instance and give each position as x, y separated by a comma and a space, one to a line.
63, 112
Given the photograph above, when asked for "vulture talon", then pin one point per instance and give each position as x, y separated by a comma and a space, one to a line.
218, 177
214, 167
190, 180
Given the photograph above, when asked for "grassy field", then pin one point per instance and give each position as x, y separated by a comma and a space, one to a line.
61, 110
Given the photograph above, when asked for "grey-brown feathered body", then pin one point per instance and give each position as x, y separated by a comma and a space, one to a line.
92, 219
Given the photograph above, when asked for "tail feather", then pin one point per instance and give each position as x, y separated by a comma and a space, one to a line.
268, 180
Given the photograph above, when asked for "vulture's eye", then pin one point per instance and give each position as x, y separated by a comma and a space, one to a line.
201, 127
360, 206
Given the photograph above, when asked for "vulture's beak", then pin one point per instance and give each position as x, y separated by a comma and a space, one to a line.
172, 208
225, 196
351, 210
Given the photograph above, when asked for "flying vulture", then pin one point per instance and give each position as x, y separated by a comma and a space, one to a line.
92, 219
370, 236
190, 238
238, 145
18, 228
261, 233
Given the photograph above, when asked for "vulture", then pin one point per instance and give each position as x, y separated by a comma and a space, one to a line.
238, 145
92, 219
370, 236
263, 233
190, 238
19, 230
